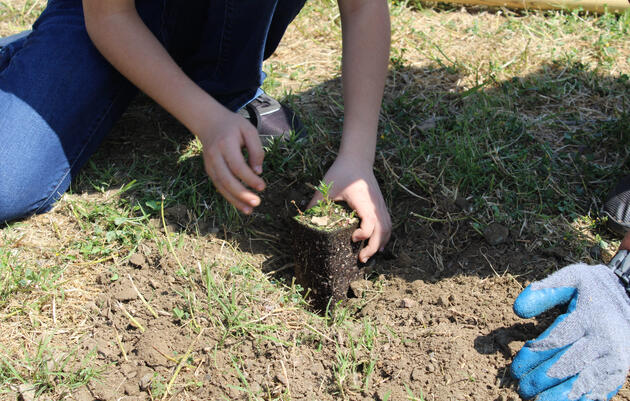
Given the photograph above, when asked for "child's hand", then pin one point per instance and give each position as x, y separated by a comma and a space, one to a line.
355, 184
223, 138
122, 37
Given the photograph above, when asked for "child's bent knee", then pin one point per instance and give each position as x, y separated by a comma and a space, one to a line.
20, 199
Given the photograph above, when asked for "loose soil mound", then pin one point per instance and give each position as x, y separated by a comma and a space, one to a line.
446, 334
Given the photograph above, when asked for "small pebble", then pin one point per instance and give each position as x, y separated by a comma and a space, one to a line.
145, 381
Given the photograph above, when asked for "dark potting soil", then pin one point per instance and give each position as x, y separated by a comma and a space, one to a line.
325, 262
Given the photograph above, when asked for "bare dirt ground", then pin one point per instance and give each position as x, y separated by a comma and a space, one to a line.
446, 333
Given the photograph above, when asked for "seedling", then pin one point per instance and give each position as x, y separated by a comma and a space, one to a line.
325, 204
326, 215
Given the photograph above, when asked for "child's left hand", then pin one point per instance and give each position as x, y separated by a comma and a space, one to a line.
355, 184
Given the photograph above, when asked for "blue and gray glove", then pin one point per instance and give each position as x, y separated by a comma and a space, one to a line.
585, 354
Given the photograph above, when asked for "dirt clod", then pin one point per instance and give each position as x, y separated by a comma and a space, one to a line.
132, 389
137, 260
496, 234
443, 300
153, 348
281, 378
464, 204
123, 291
360, 287
177, 212
404, 260
103, 349
82, 394
408, 303
27, 392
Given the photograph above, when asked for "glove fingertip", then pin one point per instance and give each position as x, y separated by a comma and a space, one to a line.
557, 393
522, 304
526, 360
532, 302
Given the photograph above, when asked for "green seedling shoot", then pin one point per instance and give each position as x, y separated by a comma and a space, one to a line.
326, 214
326, 205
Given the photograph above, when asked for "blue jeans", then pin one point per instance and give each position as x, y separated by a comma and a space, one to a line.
59, 97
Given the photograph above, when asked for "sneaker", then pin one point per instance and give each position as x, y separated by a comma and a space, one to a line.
272, 119
617, 207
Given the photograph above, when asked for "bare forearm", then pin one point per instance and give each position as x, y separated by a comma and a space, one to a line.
124, 40
122, 37
366, 41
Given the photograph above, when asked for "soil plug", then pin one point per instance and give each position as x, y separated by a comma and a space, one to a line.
325, 256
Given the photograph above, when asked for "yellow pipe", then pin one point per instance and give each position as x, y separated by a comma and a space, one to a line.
614, 6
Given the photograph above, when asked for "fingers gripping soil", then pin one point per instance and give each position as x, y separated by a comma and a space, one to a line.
226, 165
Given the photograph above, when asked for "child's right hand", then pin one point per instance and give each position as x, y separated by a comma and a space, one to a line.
125, 41
223, 136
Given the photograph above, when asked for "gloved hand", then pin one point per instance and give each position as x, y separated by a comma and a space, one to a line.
585, 354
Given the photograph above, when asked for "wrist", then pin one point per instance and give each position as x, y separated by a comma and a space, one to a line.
356, 157
358, 147
203, 115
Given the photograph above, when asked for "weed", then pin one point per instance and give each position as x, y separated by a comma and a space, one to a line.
47, 370
411, 396
230, 307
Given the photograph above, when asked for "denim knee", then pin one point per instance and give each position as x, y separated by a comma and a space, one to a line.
17, 203
34, 173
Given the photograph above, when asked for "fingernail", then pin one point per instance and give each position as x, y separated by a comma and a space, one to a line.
258, 169
254, 202
247, 210
260, 187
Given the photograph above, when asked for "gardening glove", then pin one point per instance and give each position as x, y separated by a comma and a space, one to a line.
585, 354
